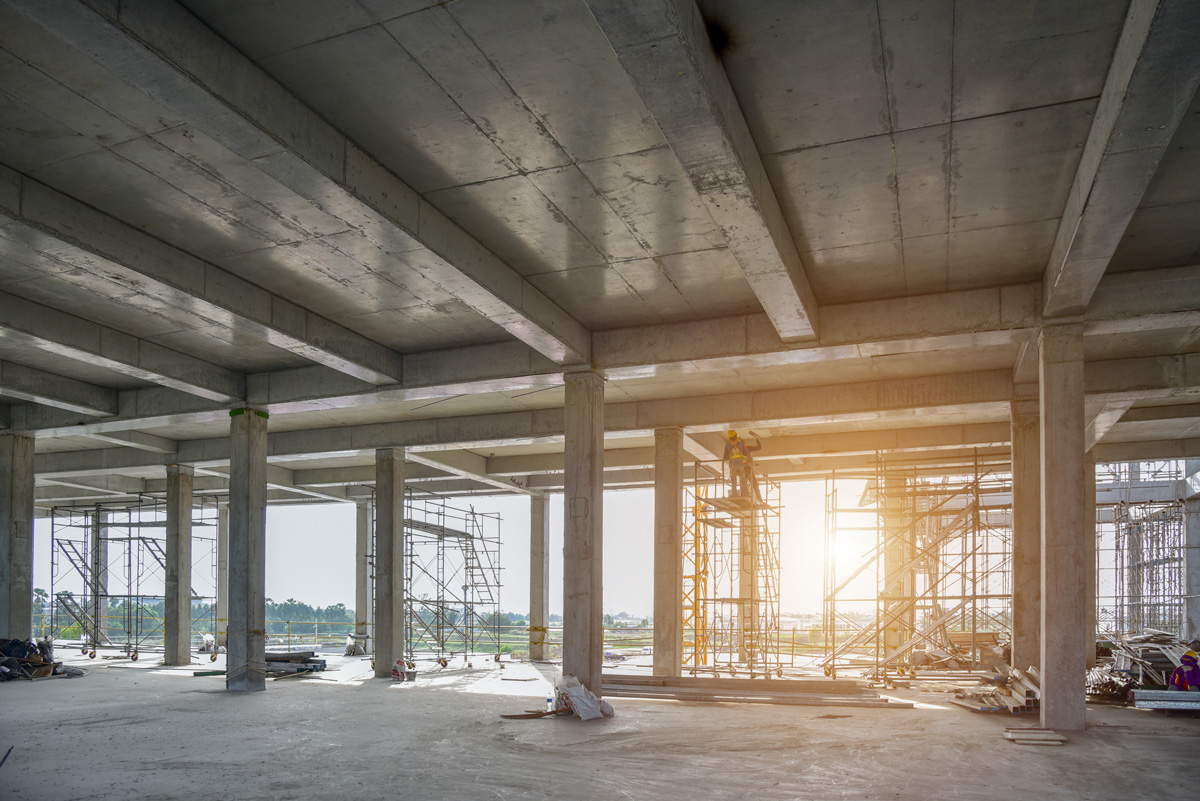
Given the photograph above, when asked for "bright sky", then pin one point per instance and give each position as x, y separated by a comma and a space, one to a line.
310, 550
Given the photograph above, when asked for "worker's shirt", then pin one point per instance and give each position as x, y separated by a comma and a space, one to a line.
738, 452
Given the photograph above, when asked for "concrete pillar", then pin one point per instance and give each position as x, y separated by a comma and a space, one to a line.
363, 599
223, 575
539, 574
98, 573
177, 613
668, 551
1027, 535
1191, 551
1089, 556
897, 524
583, 600
1064, 505
16, 536
390, 634
246, 659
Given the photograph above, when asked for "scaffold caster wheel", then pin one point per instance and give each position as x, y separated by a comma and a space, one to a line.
443, 662
134, 656
779, 673
91, 654
212, 657
83, 650
828, 672
411, 665
496, 658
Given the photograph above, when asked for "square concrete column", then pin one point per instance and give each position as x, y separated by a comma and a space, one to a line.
1191, 551
1089, 544
363, 599
177, 616
668, 551
247, 637
1064, 533
98, 574
390, 635
539, 575
222, 575
16, 536
583, 510
1027, 535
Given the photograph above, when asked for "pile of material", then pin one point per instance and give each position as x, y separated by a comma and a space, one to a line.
798, 692
1019, 694
1106, 683
1166, 699
1152, 656
26, 659
287, 662
1033, 736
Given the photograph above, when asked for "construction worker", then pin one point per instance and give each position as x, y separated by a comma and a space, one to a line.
741, 465
1187, 676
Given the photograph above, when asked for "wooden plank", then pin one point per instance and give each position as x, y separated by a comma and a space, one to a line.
1034, 735
792, 700
841, 686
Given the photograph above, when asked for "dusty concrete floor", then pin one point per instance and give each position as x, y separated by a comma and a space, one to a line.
139, 730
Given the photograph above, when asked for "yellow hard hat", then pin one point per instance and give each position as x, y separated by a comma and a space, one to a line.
732, 433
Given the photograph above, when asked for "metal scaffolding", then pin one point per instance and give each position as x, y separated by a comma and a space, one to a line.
451, 578
1140, 551
730, 576
921, 564
108, 574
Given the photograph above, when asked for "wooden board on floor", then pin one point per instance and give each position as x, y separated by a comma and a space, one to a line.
820, 686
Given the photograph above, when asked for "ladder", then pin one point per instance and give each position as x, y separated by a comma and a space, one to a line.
82, 618
156, 550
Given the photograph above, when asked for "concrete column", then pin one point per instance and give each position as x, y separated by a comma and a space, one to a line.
1191, 551
177, 613
223, 575
1064, 506
16, 536
390, 634
539, 574
362, 556
98, 573
1089, 556
583, 510
246, 659
668, 551
1027, 535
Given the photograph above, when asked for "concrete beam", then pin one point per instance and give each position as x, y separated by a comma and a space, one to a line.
1154, 74
664, 46
64, 230
138, 440
110, 484
1101, 416
1147, 451
163, 50
35, 386
467, 465
39, 327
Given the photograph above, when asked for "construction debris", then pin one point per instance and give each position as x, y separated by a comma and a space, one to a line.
294, 662
1020, 693
1152, 656
1166, 699
29, 659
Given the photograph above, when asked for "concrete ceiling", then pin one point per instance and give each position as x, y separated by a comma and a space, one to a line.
395, 222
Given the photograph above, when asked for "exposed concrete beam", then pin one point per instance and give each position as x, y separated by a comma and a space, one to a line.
105, 484
35, 386
1101, 416
33, 325
160, 48
1140, 379
1147, 451
139, 440
468, 465
1154, 74
62, 229
664, 46
282, 479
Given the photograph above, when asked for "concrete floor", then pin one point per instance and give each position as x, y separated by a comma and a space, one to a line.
142, 731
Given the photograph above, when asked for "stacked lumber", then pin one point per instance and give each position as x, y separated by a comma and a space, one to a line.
1020, 694
294, 662
1033, 736
794, 692
1166, 699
